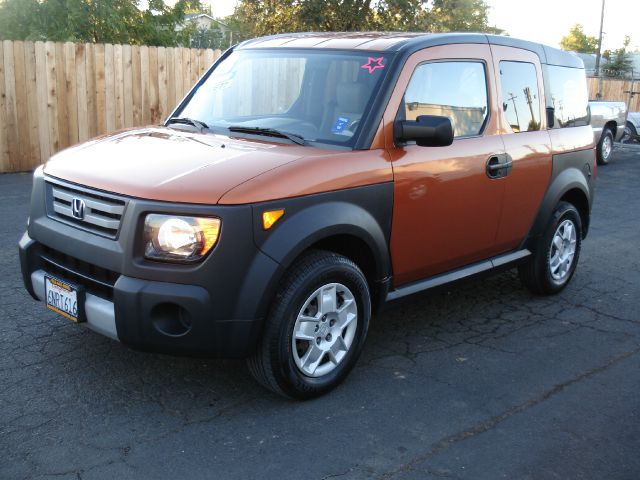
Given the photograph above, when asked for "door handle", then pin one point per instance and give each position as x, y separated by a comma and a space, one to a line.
499, 165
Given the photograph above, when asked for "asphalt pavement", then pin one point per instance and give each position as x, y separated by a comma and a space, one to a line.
483, 381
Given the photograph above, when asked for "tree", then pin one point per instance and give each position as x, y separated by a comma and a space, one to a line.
111, 21
264, 17
460, 16
619, 62
400, 15
577, 41
213, 37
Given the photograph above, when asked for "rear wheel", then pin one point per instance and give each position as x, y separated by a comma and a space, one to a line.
605, 147
316, 328
556, 253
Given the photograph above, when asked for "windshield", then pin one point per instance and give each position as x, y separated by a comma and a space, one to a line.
318, 96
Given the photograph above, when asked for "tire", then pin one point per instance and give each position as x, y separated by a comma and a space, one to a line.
542, 273
630, 133
605, 147
324, 300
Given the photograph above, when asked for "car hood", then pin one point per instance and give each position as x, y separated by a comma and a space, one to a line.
169, 165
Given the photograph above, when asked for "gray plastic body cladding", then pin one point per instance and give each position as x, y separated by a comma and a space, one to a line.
362, 212
228, 294
135, 300
572, 170
221, 273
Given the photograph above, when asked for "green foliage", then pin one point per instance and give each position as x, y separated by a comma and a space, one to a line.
123, 21
461, 16
577, 41
618, 63
263, 17
213, 37
100, 21
400, 15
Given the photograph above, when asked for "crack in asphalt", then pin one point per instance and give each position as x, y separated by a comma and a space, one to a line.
488, 425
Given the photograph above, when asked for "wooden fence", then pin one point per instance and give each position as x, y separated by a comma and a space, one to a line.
615, 90
54, 95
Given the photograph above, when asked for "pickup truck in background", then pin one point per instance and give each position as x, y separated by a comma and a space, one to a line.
608, 122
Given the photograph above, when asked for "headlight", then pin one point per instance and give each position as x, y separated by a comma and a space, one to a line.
184, 239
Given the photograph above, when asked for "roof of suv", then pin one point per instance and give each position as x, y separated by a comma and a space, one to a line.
406, 42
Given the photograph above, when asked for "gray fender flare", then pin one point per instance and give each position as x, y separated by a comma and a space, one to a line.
298, 231
317, 222
567, 180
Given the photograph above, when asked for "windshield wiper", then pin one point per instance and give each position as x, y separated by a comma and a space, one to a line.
272, 132
189, 121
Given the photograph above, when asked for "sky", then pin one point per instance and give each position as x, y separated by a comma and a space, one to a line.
546, 21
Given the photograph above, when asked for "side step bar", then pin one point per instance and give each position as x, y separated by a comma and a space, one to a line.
459, 274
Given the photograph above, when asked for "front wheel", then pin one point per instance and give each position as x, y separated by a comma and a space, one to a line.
605, 147
316, 327
556, 253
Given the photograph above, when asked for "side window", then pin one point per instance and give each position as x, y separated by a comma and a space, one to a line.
521, 103
457, 90
569, 96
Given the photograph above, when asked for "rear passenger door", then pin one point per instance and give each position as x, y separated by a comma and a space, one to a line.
446, 208
523, 125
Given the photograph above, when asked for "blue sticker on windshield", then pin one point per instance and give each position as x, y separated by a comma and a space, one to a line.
340, 124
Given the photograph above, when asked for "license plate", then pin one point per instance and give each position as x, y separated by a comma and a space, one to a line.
63, 298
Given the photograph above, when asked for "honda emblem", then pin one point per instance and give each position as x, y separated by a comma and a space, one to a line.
77, 208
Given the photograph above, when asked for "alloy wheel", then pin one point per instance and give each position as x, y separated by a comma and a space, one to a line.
562, 251
324, 330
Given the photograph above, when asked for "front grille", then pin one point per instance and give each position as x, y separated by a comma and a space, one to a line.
96, 280
101, 213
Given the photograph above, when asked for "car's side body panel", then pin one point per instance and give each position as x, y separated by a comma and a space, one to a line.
446, 209
531, 155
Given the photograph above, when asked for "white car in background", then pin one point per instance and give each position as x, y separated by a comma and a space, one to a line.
632, 128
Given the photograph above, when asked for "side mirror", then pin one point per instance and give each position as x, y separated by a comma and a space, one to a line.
426, 131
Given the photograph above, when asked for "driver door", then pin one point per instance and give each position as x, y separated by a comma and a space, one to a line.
447, 203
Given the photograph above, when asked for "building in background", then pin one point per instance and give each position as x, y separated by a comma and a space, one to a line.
208, 32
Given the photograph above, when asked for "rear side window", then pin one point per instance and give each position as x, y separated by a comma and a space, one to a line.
569, 97
520, 96
457, 90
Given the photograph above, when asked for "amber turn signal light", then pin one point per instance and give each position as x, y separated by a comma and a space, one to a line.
270, 217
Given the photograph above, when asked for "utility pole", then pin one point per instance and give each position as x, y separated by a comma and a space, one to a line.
600, 41
513, 97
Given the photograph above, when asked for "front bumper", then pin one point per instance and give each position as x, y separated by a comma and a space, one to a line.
212, 308
150, 315
99, 312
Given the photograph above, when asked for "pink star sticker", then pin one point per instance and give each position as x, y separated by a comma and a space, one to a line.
373, 64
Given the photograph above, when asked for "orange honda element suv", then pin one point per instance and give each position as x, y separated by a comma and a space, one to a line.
305, 180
